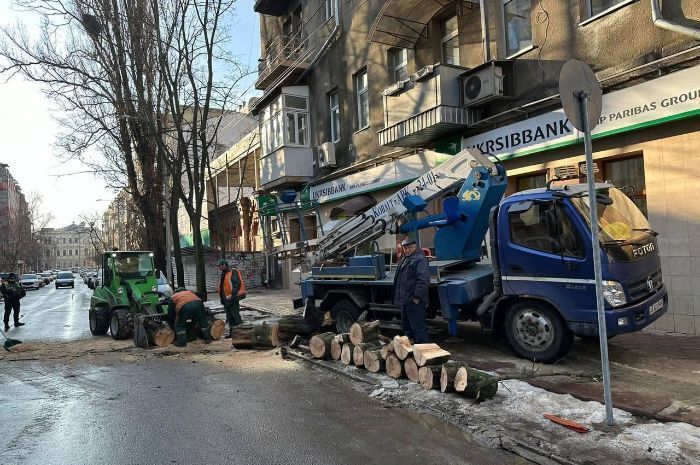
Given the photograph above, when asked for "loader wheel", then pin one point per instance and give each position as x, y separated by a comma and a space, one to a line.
99, 321
120, 324
537, 332
345, 313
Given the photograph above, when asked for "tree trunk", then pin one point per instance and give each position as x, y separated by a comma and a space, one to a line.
346, 353
447, 376
175, 233
364, 332
402, 347
373, 361
295, 325
242, 336
411, 369
320, 345
387, 349
336, 349
429, 376
358, 352
467, 382
394, 366
429, 354
199, 256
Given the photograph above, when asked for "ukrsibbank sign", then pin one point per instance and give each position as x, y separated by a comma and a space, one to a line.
671, 97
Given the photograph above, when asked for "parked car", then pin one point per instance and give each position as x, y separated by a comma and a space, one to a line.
163, 286
30, 281
93, 280
65, 279
46, 277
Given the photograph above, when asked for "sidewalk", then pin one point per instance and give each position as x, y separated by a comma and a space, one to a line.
653, 374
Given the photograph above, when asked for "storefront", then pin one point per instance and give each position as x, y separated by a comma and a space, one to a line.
647, 140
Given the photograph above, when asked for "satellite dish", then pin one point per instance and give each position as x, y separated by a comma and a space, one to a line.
575, 78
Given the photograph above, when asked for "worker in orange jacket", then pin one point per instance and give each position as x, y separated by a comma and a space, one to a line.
185, 305
231, 291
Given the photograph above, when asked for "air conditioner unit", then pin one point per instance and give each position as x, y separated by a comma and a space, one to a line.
326, 155
486, 82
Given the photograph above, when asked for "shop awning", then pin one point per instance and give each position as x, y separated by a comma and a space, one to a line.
353, 206
400, 23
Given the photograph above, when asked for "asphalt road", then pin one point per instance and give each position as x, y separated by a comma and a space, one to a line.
54, 314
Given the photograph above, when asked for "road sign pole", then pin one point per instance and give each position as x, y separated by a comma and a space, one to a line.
595, 233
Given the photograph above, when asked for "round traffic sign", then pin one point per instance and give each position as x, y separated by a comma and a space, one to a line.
577, 79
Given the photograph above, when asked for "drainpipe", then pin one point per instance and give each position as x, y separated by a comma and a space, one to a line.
326, 44
485, 31
659, 21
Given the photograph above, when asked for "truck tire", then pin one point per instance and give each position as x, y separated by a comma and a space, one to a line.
120, 324
99, 321
537, 332
345, 313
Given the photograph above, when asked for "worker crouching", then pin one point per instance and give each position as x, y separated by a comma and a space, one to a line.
185, 305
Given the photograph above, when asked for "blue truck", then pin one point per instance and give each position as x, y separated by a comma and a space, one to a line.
537, 288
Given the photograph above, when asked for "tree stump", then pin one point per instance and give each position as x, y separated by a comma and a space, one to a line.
429, 354
336, 349
346, 353
467, 381
387, 349
429, 376
320, 345
402, 347
394, 366
364, 332
373, 361
411, 369
447, 376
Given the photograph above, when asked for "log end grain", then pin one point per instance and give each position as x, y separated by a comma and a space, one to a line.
217, 329
358, 356
346, 353
336, 349
402, 347
411, 369
163, 336
373, 361
394, 366
429, 377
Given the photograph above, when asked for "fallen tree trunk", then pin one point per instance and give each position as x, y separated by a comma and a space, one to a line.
429, 354
525, 375
346, 353
467, 382
358, 354
320, 345
336, 349
294, 325
429, 376
411, 369
242, 336
447, 376
373, 361
394, 367
402, 347
364, 332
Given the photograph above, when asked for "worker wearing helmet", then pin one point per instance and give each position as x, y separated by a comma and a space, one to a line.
410, 291
12, 292
231, 291
185, 305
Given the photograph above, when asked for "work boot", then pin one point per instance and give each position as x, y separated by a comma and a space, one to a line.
180, 344
18, 324
181, 339
7, 327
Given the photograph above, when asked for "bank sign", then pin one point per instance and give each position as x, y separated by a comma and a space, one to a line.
671, 97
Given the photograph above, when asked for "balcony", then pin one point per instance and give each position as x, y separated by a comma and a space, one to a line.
285, 167
285, 59
425, 108
271, 7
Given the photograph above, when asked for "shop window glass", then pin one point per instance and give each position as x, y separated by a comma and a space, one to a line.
518, 25
627, 174
534, 181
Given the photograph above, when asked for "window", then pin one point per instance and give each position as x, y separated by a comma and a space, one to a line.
398, 59
627, 175
599, 6
531, 181
518, 25
70, 253
328, 9
297, 116
362, 90
530, 225
450, 41
64, 252
334, 106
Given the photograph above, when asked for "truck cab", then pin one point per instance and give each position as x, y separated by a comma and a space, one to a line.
542, 256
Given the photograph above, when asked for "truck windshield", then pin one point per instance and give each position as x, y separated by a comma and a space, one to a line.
621, 221
134, 265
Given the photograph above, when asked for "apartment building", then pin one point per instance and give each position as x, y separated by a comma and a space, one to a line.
353, 91
15, 224
68, 247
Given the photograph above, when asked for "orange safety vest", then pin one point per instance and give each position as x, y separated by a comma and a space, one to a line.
182, 298
228, 288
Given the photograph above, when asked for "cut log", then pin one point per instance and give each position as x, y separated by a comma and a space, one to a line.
402, 347
364, 332
217, 328
294, 325
320, 345
411, 369
346, 353
161, 336
429, 354
358, 352
343, 338
429, 376
394, 366
467, 382
242, 336
373, 361
262, 335
387, 349
336, 349
447, 376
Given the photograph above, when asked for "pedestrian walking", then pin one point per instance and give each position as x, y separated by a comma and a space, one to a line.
410, 291
12, 292
231, 291
185, 305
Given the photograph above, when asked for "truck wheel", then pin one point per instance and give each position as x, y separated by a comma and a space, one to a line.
99, 321
120, 324
537, 332
345, 313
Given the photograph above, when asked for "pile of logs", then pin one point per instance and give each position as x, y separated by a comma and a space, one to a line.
427, 364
